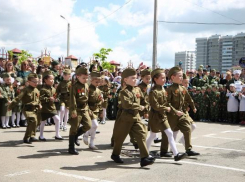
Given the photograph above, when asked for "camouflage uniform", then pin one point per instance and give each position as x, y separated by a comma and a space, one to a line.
203, 106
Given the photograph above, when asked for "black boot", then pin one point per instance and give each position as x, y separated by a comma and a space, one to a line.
146, 161
157, 140
165, 154
116, 158
72, 149
79, 133
192, 153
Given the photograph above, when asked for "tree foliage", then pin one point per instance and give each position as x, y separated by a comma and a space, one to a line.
102, 55
23, 56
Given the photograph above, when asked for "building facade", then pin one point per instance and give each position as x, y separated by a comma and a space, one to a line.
186, 59
220, 52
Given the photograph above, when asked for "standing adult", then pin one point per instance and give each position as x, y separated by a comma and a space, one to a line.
201, 79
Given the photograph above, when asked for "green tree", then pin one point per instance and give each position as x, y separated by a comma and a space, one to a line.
23, 56
102, 55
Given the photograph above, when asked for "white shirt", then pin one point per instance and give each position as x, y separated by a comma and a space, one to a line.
242, 102
233, 104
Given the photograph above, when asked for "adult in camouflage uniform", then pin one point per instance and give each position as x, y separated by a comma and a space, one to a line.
214, 103
203, 104
200, 80
212, 78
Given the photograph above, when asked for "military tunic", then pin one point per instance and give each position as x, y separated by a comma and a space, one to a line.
31, 103
48, 107
63, 92
130, 121
145, 102
177, 97
94, 101
7, 92
79, 94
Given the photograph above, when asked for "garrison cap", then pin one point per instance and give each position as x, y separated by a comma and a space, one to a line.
213, 70
67, 71
198, 89
145, 72
82, 71
46, 73
5, 75
156, 71
128, 72
32, 75
95, 74
173, 71
54, 63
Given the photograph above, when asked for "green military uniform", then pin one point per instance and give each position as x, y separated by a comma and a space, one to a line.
200, 80
203, 105
30, 98
48, 107
17, 91
95, 98
196, 100
63, 91
214, 105
158, 121
177, 97
79, 106
222, 105
7, 95
112, 102
129, 120
106, 92
213, 79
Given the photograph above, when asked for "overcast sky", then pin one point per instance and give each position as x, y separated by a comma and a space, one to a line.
128, 31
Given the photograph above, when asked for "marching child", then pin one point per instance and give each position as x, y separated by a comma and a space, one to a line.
104, 87
158, 121
79, 109
94, 101
242, 106
129, 120
177, 97
47, 98
30, 98
63, 92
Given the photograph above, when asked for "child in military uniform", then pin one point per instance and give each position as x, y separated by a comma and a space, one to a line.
63, 92
232, 104
129, 120
6, 97
79, 94
47, 98
159, 107
104, 87
203, 104
177, 97
17, 109
94, 101
30, 98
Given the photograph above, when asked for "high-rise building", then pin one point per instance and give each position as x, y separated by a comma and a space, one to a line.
220, 52
226, 58
187, 59
201, 51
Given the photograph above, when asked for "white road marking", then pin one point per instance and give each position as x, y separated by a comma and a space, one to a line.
74, 176
232, 131
241, 129
218, 148
224, 138
18, 173
207, 165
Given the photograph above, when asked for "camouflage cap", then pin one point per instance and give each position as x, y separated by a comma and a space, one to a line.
209, 87
82, 71
199, 69
221, 86
198, 89
173, 70
128, 72
19, 79
46, 73
156, 71
32, 75
194, 87
217, 93
145, 72
5, 75
95, 74
213, 70
67, 71
214, 86
204, 88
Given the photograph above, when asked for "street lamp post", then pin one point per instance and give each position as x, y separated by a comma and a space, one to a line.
68, 35
154, 56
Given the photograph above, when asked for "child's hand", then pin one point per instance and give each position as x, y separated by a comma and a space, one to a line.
214, 103
179, 113
188, 109
194, 110
168, 109
74, 115
142, 108
40, 106
51, 99
146, 116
